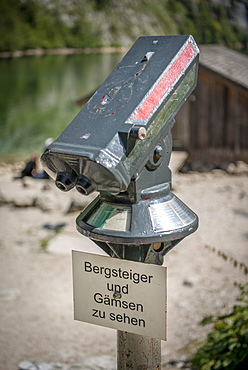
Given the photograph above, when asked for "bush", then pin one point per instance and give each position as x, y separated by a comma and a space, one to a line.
226, 346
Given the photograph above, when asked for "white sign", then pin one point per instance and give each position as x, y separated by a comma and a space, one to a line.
120, 294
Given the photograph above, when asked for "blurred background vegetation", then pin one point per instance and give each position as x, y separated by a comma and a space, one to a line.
39, 93
32, 24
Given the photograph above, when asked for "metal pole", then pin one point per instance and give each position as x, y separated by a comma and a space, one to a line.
137, 352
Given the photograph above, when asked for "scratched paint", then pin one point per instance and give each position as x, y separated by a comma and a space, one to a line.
105, 99
85, 136
167, 81
156, 126
165, 84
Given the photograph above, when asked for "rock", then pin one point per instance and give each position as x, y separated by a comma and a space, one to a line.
9, 294
44, 366
207, 167
242, 168
48, 202
231, 168
55, 227
188, 283
239, 168
185, 168
76, 206
23, 201
219, 172
197, 165
181, 364
98, 363
91, 363
67, 354
26, 365
3, 200
177, 161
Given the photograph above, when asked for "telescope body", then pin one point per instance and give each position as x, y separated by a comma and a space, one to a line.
111, 138
120, 145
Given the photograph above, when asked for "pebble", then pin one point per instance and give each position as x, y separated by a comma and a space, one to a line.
42, 194
27, 365
237, 168
188, 283
9, 294
91, 363
181, 364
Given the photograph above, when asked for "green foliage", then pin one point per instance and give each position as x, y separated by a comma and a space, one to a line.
237, 264
209, 22
31, 24
44, 242
226, 346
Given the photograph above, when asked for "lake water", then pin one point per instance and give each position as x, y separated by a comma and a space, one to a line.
38, 96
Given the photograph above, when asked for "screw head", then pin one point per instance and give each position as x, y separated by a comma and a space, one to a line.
138, 133
141, 133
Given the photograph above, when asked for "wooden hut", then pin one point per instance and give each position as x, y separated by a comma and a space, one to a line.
212, 126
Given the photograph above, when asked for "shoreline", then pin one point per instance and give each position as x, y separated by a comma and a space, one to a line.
36, 281
62, 51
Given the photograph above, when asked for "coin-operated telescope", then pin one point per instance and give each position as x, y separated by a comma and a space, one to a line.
120, 146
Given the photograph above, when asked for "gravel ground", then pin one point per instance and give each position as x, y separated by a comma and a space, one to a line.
36, 304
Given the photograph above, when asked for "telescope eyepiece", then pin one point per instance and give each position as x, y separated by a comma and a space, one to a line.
65, 181
84, 186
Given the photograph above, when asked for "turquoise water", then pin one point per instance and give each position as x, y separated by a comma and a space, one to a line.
38, 96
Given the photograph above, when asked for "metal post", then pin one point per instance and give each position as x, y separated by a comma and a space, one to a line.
137, 352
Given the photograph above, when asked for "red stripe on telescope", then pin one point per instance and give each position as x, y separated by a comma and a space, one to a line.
165, 83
